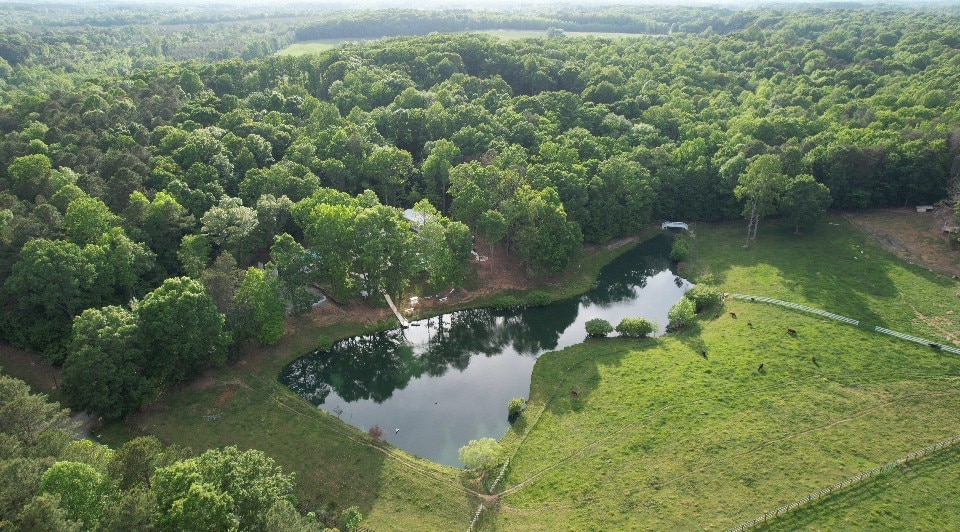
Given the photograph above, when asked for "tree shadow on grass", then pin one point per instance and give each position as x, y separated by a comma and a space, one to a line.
834, 268
833, 507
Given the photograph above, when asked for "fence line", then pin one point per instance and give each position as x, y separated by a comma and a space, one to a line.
499, 477
918, 340
845, 483
475, 517
796, 306
936, 345
492, 487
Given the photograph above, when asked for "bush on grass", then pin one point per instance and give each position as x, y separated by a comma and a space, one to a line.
682, 314
480, 454
598, 328
515, 408
636, 327
538, 299
705, 297
681, 248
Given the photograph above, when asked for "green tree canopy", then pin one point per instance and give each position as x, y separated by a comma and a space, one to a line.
181, 330
805, 201
260, 313
104, 372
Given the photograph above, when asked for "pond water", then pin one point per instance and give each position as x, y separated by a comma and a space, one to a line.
447, 380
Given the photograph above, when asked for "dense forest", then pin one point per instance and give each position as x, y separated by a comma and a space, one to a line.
158, 214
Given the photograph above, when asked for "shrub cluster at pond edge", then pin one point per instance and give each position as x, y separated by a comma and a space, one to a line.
636, 327
682, 314
515, 408
681, 248
704, 297
598, 328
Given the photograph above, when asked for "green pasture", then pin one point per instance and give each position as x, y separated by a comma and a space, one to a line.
663, 436
835, 268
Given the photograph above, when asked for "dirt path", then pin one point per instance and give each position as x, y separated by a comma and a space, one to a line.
915, 237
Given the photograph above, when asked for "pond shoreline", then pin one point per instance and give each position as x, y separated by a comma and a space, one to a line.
444, 381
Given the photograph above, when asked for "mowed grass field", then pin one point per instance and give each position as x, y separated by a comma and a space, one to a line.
660, 436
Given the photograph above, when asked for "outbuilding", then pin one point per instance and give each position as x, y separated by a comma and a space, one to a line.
675, 225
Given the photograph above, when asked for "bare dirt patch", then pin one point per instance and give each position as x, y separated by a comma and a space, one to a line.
31, 368
225, 397
916, 237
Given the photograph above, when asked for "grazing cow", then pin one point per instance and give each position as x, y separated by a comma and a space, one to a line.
935, 346
750, 324
814, 359
760, 369
733, 314
792, 331
574, 393
703, 353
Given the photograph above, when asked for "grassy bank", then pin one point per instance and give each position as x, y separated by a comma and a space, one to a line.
662, 436
336, 464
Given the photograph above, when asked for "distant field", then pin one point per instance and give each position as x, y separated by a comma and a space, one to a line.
313, 47
660, 436
509, 35
322, 45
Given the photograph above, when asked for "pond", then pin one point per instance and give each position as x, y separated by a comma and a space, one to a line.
447, 380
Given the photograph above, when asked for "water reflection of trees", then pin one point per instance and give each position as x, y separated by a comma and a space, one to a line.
374, 366
362, 367
619, 280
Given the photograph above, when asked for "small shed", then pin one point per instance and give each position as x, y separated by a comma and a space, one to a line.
924, 208
417, 219
675, 225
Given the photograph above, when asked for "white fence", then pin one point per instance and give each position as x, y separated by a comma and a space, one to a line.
923, 341
796, 306
851, 321
846, 483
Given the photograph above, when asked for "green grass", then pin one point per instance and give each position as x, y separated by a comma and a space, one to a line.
923, 495
512, 35
314, 47
661, 437
834, 268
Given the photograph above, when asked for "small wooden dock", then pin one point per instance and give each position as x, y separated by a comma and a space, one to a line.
403, 321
